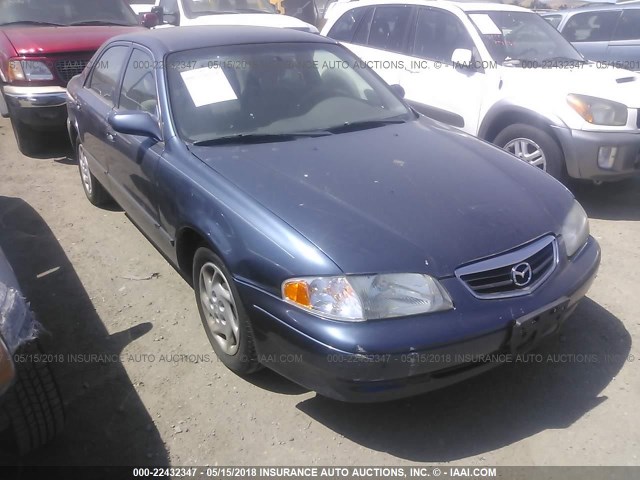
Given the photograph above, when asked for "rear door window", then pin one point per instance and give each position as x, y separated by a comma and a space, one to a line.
628, 26
390, 28
344, 29
106, 73
591, 27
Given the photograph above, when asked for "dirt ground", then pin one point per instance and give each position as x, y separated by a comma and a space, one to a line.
153, 393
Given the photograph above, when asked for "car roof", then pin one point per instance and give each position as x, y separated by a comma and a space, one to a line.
177, 39
596, 8
447, 5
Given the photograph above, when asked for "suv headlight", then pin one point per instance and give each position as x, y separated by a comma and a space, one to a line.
29, 70
599, 111
575, 230
357, 298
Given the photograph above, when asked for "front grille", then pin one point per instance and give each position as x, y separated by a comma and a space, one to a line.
511, 274
70, 68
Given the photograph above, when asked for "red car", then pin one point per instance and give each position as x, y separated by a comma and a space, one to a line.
43, 43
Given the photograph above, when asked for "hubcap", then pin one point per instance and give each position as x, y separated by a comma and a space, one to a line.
84, 169
219, 308
527, 150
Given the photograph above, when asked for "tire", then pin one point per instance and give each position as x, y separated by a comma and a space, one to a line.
30, 142
514, 137
224, 318
93, 189
33, 404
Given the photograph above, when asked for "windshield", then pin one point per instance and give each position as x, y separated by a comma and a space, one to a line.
276, 89
66, 12
194, 8
522, 39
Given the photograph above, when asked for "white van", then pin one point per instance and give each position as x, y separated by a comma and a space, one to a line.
504, 74
219, 12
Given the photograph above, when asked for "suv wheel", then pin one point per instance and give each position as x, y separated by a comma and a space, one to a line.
33, 404
534, 146
222, 313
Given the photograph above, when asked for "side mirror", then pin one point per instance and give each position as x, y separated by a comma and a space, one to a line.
135, 123
149, 20
159, 12
398, 90
462, 58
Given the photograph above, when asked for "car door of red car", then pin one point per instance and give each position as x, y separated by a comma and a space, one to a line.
135, 158
94, 103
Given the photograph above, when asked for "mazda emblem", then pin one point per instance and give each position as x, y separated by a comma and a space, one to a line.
521, 274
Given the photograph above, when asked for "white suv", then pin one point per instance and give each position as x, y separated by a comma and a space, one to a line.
504, 74
220, 12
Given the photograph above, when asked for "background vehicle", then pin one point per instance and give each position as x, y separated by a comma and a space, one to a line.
605, 33
30, 403
225, 12
294, 195
41, 48
505, 75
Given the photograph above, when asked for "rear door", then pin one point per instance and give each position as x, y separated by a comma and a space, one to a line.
590, 32
624, 48
95, 101
132, 167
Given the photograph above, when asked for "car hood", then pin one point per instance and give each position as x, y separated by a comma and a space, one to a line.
52, 40
415, 197
611, 83
252, 19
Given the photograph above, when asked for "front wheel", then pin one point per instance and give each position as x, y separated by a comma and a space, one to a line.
33, 405
222, 313
534, 146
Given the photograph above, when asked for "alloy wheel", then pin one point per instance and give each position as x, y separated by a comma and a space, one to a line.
219, 308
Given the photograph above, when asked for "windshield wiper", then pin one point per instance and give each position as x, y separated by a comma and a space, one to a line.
99, 22
363, 125
253, 10
248, 138
31, 22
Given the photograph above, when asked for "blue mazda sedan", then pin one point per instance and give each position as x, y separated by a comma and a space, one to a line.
329, 232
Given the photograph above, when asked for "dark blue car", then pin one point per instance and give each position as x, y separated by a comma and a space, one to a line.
329, 232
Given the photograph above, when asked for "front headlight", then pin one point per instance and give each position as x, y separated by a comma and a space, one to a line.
356, 298
30, 70
575, 230
599, 111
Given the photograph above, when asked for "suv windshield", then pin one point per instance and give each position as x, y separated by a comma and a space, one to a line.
522, 39
260, 92
196, 8
66, 12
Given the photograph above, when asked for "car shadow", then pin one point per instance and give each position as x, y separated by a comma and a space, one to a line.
501, 407
611, 201
271, 381
107, 423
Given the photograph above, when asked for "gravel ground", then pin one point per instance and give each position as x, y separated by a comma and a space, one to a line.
153, 392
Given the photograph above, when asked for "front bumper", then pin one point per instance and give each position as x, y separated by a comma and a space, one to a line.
581, 151
39, 107
389, 359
